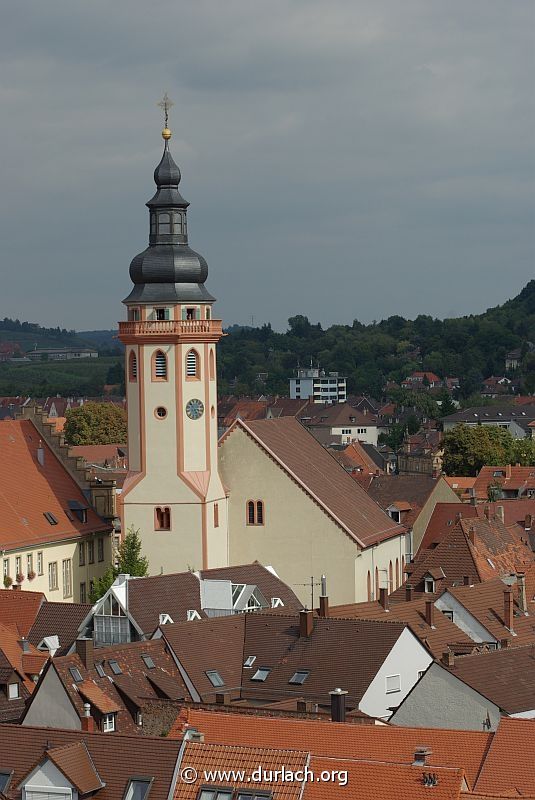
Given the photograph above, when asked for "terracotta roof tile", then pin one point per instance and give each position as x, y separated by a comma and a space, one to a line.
116, 758
94, 695
381, 781
443, 635
414, 489
319, 475
386, 743
58, 619
75, 763
503, 676
207, 757
28, 490
19, 609
510, 478
510, 763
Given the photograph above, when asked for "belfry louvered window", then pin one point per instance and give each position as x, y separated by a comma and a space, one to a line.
133, 366
160, 365
192, 364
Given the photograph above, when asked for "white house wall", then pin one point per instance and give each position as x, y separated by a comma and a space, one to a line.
407, 658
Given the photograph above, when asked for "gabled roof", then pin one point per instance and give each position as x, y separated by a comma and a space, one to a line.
441, 636
209, 644
443, 518
298, 453
58, 619
336, 414
178, 593
103, 692
246, 409
19, 609
414, 489
116, 758
74, 761
505, 676
485, 602
26, 663
510, 766
29, 489
510, 478
224, 644
386, 743
354, 456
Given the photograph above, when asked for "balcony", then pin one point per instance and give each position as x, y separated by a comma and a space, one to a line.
203, 329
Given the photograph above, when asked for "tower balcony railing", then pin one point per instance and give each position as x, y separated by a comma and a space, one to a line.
177, 327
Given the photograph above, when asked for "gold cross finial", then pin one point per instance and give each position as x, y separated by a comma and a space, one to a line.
166, 104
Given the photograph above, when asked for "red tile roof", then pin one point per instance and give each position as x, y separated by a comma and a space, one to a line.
116, 758
510, 766
19, 609
386, 743
246, 409
441, 636
413, 489
512, 479
203, 757
380, 781
74, 761
28, 490
299, 454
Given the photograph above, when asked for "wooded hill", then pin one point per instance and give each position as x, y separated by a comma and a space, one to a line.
470, 348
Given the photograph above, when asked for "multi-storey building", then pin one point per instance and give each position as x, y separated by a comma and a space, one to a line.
317, 385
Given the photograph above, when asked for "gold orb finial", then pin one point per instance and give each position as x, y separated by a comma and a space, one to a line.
166, 103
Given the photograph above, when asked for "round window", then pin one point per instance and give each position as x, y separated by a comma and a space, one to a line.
161, 412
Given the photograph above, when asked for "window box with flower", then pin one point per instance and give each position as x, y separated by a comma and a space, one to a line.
19, 577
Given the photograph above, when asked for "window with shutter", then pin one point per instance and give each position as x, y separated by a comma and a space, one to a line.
192, 364
160, 366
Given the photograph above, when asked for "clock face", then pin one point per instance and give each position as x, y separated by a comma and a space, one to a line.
194, 409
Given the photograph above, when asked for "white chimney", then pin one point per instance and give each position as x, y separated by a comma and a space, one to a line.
41, 453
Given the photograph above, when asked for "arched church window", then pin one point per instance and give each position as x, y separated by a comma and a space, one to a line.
132, 366
369, 585
250, 512
259, 512
192, 364
164, 223
159, 366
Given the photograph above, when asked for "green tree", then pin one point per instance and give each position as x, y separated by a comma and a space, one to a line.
524, 452
129, 562
96, 423
467, 449
413, 424
447, 406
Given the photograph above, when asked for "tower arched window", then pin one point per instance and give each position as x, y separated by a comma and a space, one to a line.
212, 365
177, 223
132, 366
162, 518
159, 366
192, 364
164, 223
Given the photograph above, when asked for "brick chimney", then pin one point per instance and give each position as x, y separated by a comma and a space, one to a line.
84, 649
508, 608
522, 598
338, 705
528, 522
383, 598
448, 659
500, 514
87, 721
324, 600
306, 622
324, 606
222, 698
408, 592
421, 754
430, 613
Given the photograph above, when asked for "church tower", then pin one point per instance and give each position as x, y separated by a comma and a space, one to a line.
173, 493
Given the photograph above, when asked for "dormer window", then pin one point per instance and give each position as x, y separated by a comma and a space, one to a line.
13, 691
429, 585
108, 723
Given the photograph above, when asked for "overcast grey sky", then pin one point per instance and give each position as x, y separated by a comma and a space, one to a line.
343, 158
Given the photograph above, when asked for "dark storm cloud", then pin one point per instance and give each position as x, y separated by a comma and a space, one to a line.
342, 158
